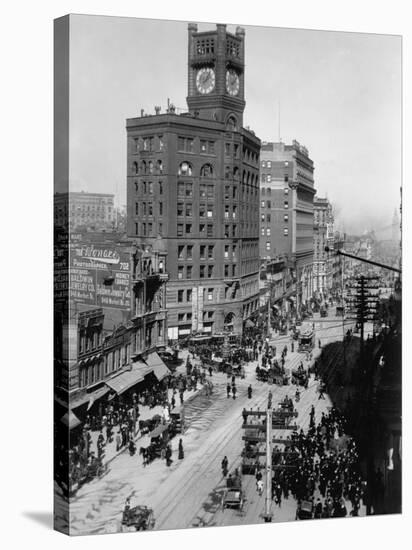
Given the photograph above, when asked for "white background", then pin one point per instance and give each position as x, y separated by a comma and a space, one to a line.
26, 36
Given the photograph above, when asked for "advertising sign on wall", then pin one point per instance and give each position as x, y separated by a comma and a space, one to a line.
100, 275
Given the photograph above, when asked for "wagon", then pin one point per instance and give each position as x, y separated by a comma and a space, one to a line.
233, 498
304, 510
139, 518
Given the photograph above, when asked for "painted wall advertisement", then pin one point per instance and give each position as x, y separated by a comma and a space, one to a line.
100, 275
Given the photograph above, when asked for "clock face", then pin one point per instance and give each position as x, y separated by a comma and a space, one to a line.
205, 80
232, 82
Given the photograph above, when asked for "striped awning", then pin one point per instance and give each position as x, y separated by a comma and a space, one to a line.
129, 378
159, 368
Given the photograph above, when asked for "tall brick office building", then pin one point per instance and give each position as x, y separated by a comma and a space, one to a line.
286, 211
193, 180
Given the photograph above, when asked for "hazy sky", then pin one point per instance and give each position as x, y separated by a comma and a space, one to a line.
339, 95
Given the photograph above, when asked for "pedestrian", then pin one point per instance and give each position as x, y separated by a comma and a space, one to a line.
244, 415
210, 371
321, 391
118, 441
319, 344
228, 390
173, 401
249, 392
168, 455
259, 487
181, 453
234, 391
225, 466
292, 347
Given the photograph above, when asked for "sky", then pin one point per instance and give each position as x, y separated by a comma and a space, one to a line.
339, 94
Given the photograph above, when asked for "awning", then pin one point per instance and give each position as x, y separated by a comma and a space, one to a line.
129, 378
159, 430
70, 420
89, 398
249, 323
159, 368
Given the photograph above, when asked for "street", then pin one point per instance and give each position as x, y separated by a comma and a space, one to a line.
188, 493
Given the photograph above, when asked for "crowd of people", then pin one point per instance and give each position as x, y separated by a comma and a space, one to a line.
327, 471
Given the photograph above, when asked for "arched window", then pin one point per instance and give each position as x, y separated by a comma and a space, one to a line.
231, 124
159, 167
135, 168
248, 178
150, 167
185, 169
206, 171
227, 173
244, 176
236, 173
144, 167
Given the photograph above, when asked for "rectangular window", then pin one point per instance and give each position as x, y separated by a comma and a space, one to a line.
286, 217
180, 230
268, 231
181, 189
286, 204
180, 272
209, 230
144, 209
268, 218
150, 209
262, 217
188, 228
226, 251
262, 204
234, 230
150, 228
189, 210
227, 149
180, 296
160, 188
136, 228
268, 204
189, 272
202, 271
189, 251
262, 231
150, 188
189, 191
210, 271
236, 150
210, 191
189, 316
137, 209
226, 231
210, 211
160, 209
144, 228
210, 294
267, 245
286, 178
180, 251
189, 295
203, 146
180, 317
202, 228
180, 209
286, 191
227, 192
211, 147
161, 229
226, 270
161, 143
210, 252
234, 270
202, 191
268, 178
286, 232
202, 252
202, 211
226, 211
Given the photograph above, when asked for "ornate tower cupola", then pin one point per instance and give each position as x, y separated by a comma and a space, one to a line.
216, 74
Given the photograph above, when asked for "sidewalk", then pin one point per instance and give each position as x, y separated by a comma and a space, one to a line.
145, 413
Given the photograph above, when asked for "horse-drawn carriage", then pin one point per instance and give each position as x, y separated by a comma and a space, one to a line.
304, 510
300, 377
235, 370
139, 518
233, 496
159, 439
84, 473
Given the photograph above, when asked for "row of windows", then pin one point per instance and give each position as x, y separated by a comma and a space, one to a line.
147, 209
148, 167
268, 163
147, 187
148, 229
268, 178
149, 143
187, 145
268, 191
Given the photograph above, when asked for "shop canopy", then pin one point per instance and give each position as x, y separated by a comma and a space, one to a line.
129, 378
89, 398
159, 368
159, 430
70, 420
249, 323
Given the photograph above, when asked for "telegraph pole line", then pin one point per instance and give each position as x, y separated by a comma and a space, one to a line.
268, 500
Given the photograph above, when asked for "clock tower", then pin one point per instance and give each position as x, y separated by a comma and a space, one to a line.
216, 68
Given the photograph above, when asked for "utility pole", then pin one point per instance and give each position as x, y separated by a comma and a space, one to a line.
268, 327
268, 500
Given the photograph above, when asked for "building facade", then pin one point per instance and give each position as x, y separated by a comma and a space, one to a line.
286, 212
87, 210
192, 181
323, 236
